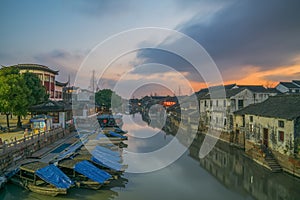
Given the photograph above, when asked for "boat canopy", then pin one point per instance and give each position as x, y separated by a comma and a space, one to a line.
106, 150
105, 159
103, 155
53, 175
107, 163
92, 172
114, 134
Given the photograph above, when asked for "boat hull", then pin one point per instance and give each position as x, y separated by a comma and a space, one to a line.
44, 190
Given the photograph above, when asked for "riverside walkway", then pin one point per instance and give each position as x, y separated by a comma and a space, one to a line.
32, 147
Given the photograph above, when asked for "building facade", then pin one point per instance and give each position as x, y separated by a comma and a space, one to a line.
289, 87
47, 77
272, 127
217, 112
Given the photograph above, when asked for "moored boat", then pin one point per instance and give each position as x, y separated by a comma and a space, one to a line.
84, 173
42, 178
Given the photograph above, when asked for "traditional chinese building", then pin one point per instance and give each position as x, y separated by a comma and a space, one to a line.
272, 127
47, 76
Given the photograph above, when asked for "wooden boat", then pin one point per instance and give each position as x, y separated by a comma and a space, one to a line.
27, 178
50, 191
109, 120
69, 167
88, 156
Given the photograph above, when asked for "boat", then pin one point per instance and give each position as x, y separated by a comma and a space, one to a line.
109, 120
105, 159
42, 178
85, 174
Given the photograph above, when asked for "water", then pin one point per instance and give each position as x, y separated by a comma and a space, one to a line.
224, 174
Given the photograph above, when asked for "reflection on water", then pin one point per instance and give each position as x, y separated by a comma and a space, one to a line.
225, 173
235, 171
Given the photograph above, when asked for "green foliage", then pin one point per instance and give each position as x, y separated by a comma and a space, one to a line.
13, 92
19, 91
37, 90
108, 98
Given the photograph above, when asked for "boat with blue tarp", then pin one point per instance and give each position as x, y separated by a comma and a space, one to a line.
117, 135
105, 155
43, 179
85, 174
106, 161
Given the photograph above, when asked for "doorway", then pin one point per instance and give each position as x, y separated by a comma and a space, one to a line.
266, 137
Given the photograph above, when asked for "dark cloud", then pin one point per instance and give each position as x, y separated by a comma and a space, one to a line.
251, 32
167, 58
248, 32
66, 62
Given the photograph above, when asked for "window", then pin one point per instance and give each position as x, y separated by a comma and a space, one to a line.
240, 104
281, 136
225, 121
55, 117
224, 103
251, 127
205, 103
47, 78
217, 103
281, 123
211, 103
251, 118
40, 76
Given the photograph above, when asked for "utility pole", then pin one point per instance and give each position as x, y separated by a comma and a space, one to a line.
93, 81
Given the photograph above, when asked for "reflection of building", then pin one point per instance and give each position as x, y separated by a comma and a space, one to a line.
47, 77
238, 173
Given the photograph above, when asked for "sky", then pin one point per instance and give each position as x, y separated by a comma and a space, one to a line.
248, 41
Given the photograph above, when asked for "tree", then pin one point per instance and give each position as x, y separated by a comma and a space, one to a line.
13, 93
38, 92
107, 98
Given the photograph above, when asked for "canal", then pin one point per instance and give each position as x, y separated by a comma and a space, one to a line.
225, 173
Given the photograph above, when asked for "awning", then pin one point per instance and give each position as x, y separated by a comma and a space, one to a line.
53, 175
92, 172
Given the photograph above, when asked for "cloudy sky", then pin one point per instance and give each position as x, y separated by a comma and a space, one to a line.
250, 41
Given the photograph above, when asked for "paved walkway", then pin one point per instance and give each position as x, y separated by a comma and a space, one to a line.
44, 154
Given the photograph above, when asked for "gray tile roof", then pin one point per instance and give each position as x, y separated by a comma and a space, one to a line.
280, 106
289, 85
296, 82
258, 88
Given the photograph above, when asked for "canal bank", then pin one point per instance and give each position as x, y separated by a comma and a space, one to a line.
225, 173
270, 159
16, 151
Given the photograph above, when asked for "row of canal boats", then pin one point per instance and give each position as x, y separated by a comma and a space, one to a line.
91, 166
